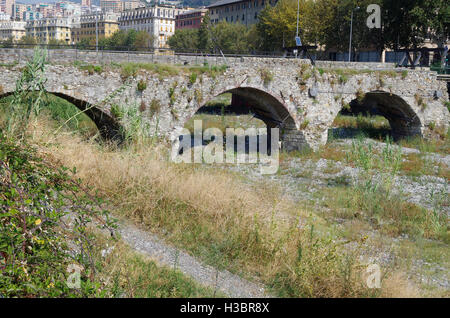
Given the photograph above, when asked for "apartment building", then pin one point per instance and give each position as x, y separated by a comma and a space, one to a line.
106, 24
242, 11
158, 21
44, 30
191, 19
14, 30
6, 6
4, 16
111, 5
131, 5
19, 9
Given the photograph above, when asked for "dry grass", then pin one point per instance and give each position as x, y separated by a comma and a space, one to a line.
212, 214
398, 286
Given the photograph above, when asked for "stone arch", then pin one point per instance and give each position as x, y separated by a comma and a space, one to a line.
266, 107
271, 110
108, 127
403, 120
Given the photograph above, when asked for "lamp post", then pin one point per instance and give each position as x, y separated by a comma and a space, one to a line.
298, 13
351, 33
96, 32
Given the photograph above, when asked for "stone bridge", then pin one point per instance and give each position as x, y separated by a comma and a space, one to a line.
291, 94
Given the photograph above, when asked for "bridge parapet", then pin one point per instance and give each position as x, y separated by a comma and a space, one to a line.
10, 55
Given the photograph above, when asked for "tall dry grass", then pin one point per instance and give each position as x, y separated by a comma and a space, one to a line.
214, 215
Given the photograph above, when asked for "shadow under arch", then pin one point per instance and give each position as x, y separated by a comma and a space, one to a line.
108, 127
402, 118
263, 105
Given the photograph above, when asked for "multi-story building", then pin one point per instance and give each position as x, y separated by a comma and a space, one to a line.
19, 9
191, 19
106, 24
4, 16
6, 6
242, 11
14, 30
111, 5
86, 3
131, 4
44, 30
158, 21
32, 15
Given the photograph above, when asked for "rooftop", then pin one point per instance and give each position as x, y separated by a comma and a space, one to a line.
223, 3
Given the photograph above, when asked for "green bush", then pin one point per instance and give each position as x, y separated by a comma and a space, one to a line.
142, 85
34, 236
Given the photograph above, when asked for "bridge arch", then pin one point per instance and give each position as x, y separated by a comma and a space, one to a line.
108, 127
402, 118
267, 108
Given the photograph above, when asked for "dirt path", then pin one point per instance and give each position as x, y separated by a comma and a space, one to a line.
164, 254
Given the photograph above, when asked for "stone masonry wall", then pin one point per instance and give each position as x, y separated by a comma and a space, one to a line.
311, 96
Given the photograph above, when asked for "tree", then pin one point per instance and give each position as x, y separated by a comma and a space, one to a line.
408, 23
337, 32
184, 40
204, 34
277, 25
28, 40
143, 40
230, 37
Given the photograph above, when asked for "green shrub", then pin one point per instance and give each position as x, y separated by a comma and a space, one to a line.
34, 238
142, 85
193, 78
266, 76
155, 106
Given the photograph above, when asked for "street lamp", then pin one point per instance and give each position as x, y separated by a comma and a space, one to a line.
96, 32
298, 13
351, 31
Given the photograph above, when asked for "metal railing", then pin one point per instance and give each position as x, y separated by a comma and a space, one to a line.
317, 55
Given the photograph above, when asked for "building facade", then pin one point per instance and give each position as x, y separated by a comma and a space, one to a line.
45, 30
14, 30
243, 11
111, 5
158, 21
131, 5
191, 19
106, 24
6, 6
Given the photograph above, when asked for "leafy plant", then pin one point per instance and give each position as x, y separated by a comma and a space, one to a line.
192, 78
266, 76
36, 198
142, 85
26, 103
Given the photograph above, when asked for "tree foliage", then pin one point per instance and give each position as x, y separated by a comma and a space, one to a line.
225, 37
121, 40
326, 23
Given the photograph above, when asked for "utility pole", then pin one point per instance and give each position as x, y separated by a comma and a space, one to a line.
351, 33
298, 13
96, 32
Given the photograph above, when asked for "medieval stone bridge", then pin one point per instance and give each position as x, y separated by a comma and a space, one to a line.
300, 99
